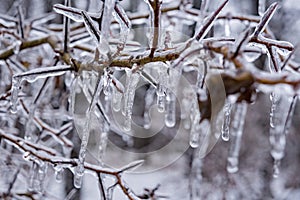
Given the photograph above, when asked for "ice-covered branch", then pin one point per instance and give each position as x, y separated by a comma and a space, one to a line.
33, 152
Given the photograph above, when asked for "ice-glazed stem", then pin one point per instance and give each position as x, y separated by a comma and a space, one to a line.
226, 123
236, 136
79, 171
281, 111
132, 80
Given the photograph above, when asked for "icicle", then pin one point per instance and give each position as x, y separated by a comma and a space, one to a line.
42, 172
102, 143
170, 116
236, 134
274, 101
107, 17
125, 25
108, 92
148, 102
195, 132
16, 83
117, 99
59, 172
186, 105
132, 80
72, 96
290, 114
261, 7
226, 122
33, 176
30, 127
79, 171
102, 146
281, 109
161, 89
195, 127
227, 26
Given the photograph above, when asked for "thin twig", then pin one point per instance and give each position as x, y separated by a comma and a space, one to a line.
156, 12
265, 19
205, 27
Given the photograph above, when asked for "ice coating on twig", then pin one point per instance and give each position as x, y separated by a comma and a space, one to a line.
72, 13
31, 76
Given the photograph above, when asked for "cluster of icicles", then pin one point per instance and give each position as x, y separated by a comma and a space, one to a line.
122, 99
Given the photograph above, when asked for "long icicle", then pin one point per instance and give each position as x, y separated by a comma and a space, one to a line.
236, 135
161, 88
79, 171
280, 116
131, 83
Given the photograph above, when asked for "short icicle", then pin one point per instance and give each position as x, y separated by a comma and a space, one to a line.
226, 123
170, 116
236, 136
79, 171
